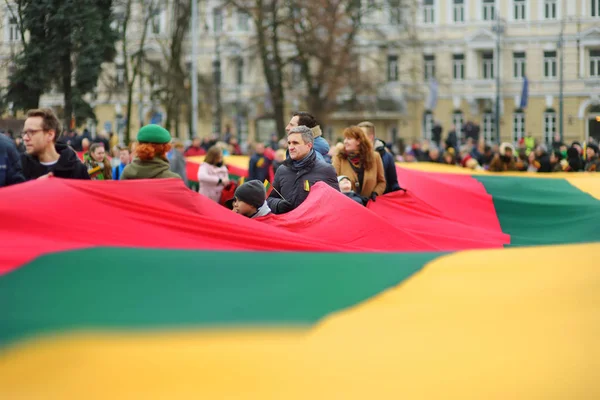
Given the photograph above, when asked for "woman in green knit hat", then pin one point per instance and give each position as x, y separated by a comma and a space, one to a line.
150, 160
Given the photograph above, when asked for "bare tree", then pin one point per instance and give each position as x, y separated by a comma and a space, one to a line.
269, 18
133, 32
169, 72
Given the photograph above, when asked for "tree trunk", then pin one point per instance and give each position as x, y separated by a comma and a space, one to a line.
126, 137
66, 69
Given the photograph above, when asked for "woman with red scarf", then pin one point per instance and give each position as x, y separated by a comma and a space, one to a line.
361, 163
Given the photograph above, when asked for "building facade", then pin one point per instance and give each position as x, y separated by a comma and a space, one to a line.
457, 62
432, 60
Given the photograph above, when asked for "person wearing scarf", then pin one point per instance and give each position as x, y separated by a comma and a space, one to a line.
299, 173
97, 163
361, 164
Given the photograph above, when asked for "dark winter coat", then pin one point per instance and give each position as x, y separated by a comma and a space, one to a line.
10, 163
452, 140
389, 167
357, 198
292, 184
68, 166
436, 134
258, 167
544, 161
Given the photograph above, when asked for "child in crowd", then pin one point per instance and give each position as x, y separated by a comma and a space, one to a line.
346, 188
250, 200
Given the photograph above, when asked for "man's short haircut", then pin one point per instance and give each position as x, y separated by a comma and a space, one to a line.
305, 119
49, 120
369, 125
124, 148
306, 133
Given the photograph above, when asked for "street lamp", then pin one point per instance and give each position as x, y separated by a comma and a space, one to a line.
239, 81
560, 45
217, 112
193, 69
499, 29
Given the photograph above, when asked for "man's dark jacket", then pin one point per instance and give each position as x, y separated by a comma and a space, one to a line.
389, 167
258, 167
10, 163
68, 165
290, 182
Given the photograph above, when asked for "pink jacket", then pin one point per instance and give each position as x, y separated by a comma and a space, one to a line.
208, 178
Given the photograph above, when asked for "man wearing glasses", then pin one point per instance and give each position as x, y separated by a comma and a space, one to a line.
44, 157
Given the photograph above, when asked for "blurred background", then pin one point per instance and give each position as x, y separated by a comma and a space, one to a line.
238, 68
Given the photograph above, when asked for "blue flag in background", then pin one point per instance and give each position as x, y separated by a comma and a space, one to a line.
524, 93
432, 99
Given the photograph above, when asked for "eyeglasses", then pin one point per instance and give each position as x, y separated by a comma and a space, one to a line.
30, 132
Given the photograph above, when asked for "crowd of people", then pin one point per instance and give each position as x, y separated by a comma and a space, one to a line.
470, 150
360, 165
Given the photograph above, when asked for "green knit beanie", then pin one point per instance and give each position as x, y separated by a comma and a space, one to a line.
154, 134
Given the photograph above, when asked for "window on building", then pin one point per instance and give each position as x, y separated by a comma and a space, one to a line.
395, 12
487, 65
217, 20
458, 67
595, 63
13, 29
392, 68
428, 12
519, 12
243, 21
550, 8
595, 8
239, 71
429, 70
427, 124
519, 64
458, 11
550, 64
488, 13
549, 125
489, 127
458, 120
518, 125
120, 75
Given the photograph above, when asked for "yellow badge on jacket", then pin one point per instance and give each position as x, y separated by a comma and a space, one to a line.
306, 186
260, 163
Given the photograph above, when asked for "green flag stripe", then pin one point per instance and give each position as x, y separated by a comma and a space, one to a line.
141, 288
537, 211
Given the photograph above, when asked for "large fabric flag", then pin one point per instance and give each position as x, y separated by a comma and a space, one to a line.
470, 285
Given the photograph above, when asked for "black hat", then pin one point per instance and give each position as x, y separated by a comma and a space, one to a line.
594, 147
252, 192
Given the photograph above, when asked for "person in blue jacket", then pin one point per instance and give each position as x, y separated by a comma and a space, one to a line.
389, 166
10, 163
321, 147
259, 165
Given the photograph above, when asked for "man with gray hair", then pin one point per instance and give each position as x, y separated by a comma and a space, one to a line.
296, 176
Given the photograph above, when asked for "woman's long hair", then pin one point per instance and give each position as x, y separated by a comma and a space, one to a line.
147, 151
107, 170
213, 154
365, 149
